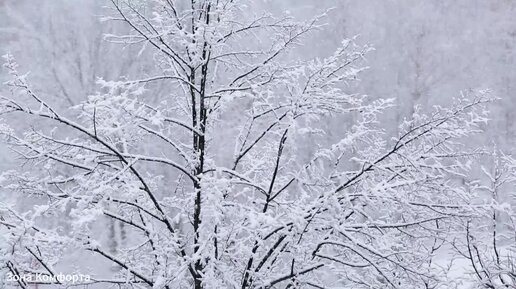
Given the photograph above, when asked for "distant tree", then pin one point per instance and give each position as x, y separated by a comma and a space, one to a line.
64, 44
239, 208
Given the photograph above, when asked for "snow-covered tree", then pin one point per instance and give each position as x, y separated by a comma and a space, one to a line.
244, 203
489, 242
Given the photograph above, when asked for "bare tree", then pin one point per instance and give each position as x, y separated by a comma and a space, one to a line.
489, 243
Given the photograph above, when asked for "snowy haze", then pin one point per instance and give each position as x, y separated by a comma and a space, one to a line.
258, 144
